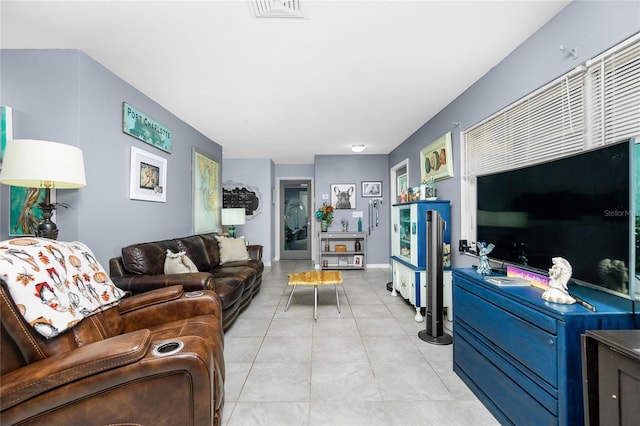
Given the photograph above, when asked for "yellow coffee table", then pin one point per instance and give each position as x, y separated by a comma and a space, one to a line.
315, 278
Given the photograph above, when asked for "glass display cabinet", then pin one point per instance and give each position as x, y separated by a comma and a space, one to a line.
409, 251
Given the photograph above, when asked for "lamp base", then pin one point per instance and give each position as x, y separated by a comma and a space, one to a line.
232, 231
47, 228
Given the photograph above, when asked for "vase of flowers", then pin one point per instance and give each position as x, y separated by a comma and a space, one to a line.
325, 215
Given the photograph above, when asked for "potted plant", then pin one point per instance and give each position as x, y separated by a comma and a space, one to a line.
325, 215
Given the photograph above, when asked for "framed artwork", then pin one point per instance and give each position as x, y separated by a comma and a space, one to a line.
436, 160
24, 212
343, 195
148, 176
137, 124
6, 129
372, 189
207, 196
357, 259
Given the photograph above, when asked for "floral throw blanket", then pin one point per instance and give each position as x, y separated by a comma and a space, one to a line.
55, 284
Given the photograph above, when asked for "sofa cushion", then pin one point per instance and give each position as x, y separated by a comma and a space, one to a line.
232, 249
178, 263
55, 284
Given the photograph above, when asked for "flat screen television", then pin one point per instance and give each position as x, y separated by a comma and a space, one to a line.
576, 207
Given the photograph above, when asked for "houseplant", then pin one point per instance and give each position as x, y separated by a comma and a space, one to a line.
325, 215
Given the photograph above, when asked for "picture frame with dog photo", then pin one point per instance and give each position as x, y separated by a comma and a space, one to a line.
343, 195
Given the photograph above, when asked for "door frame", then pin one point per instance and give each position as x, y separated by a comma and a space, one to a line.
279, 219
393, 179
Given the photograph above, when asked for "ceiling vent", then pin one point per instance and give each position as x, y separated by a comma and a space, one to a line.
276, 8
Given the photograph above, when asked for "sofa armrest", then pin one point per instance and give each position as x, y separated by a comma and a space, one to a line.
255, 251
140, 283
58, 370
160, 306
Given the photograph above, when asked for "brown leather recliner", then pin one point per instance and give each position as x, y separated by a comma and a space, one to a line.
155, 359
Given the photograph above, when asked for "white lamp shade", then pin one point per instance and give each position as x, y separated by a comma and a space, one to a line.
42, 164
233, 216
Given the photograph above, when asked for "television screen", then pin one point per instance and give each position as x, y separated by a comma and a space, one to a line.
575, 207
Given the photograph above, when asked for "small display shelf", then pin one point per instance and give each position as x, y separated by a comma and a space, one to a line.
351, 252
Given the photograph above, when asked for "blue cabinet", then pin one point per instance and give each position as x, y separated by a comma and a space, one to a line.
409, 249
521, 355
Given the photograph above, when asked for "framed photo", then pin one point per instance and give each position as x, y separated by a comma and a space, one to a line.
343, 195
357, 260
148, 177
372, 189
436, 160
207, 196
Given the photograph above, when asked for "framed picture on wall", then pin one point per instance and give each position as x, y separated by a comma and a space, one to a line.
148, 176
436, 160
207, 196
343, 195
372, 189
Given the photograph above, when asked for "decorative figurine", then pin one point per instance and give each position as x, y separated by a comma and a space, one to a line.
559, 275
430, 189
484, 268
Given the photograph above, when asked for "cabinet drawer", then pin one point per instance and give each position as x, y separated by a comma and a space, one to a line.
541, 320
531, 347
488, 372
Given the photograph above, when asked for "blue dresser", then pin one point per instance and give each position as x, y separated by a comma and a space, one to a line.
521, 355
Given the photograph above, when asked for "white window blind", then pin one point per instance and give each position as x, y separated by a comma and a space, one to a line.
545, 125
614, 110
593, 105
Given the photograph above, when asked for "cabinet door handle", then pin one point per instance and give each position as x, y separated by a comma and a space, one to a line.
551, 343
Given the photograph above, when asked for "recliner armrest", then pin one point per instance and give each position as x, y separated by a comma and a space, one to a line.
58, 370
149, 298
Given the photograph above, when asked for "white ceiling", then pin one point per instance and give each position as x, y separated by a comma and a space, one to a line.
351, 72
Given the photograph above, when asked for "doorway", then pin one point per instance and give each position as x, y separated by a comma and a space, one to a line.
399, 180
295, 218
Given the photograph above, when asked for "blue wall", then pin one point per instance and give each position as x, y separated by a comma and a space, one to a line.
354, 169
590, 26
65, 96
255, 173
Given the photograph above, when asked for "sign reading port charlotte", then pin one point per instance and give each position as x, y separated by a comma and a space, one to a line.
143, 127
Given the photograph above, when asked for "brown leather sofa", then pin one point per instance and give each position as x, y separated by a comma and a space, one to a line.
119, 366
141, 268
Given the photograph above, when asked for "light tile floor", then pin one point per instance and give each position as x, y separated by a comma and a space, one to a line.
364, 366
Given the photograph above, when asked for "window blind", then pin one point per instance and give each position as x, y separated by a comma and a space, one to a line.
615, 94
593, 105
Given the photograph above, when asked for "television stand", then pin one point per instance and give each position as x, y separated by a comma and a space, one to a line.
520, 354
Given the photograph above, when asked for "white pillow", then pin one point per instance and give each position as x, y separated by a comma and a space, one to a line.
178, 263
232, 249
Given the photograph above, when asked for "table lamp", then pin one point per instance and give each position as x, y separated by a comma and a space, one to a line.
233, 217
43, 164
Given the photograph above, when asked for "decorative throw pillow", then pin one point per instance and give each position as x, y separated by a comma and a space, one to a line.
55, 284
178, 263
232, 249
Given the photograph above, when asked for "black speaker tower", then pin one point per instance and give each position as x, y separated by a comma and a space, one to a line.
434, 332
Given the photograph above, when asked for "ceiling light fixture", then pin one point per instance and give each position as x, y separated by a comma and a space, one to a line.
357, 148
